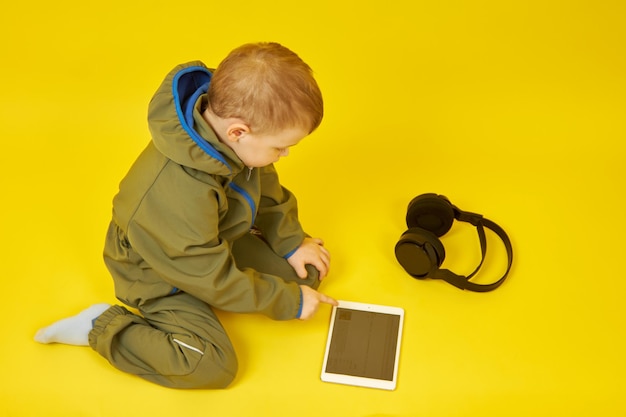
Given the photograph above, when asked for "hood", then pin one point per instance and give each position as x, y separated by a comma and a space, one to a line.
177, 127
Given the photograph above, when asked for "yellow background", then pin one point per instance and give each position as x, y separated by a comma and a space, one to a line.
512, 109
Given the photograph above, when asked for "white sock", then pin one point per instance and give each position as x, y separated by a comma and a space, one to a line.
72, 330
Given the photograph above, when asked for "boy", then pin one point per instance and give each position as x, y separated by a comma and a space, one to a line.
201, 221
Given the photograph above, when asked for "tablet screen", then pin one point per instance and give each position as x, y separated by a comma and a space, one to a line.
363, 345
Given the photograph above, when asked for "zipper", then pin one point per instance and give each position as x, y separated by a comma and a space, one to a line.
245, 195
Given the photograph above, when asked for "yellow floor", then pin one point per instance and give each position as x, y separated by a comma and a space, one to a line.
515, 110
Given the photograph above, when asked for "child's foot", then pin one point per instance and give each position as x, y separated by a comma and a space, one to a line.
72, 330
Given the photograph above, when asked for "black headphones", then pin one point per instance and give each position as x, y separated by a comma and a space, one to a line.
421, 253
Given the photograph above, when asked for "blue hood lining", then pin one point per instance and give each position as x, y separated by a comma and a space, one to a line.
188, 85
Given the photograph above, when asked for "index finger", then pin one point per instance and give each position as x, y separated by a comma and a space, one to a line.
328, 300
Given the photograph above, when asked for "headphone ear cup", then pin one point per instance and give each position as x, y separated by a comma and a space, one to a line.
419, 252
430, 212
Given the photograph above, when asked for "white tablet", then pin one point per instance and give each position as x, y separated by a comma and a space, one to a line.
363, 345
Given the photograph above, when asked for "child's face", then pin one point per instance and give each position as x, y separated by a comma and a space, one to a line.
259, 150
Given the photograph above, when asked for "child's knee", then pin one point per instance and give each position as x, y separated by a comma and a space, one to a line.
216, 377
313, 277
215, 370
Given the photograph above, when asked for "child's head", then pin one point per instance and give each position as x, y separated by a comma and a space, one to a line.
267, 86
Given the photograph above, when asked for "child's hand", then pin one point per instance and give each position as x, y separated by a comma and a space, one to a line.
312, 252
311, 300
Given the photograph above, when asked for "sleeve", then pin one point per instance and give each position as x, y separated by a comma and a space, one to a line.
277, 217
176, 233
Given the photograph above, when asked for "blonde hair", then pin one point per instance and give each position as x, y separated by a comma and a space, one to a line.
268, 87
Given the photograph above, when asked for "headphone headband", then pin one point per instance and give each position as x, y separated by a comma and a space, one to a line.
463, 282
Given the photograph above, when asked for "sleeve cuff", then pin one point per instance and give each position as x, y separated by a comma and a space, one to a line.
288, 255
301, 304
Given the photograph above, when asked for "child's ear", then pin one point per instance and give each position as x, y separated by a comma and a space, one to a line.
236, 130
